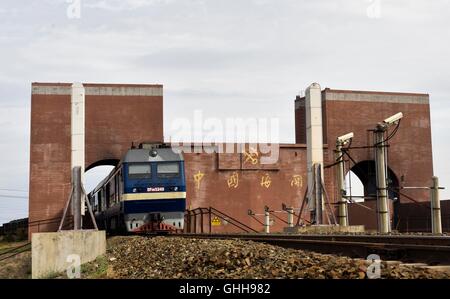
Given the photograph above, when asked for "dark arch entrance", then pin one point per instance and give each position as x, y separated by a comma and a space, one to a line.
366, 172
97, 172
107, 162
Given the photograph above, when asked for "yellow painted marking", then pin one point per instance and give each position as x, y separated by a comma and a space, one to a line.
198, 179
266, 181
216, 222
297, 181
154, 196
233, 180
251, 156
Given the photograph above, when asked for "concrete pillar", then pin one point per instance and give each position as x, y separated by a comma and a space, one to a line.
314, 140
78, 134
384, 220
436, 222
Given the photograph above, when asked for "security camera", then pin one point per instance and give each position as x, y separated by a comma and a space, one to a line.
393, 119
345, 138
153, 153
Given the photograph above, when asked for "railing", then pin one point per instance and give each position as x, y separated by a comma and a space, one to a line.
192, 221
52, 222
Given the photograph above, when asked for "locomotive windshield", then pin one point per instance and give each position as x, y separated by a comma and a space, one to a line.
168, 170
140, 171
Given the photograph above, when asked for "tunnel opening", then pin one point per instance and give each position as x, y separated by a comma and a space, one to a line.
354, 187
361, 185
97, 172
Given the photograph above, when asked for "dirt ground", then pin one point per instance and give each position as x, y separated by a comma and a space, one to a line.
16, 267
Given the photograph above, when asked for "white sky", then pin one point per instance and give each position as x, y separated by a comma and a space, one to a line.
229, 58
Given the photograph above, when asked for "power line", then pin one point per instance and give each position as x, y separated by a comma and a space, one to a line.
12, 196
13, 190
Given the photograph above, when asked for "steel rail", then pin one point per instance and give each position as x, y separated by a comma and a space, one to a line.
428, 249
14, 249
392, 239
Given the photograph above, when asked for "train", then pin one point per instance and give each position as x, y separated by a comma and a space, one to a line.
144, 193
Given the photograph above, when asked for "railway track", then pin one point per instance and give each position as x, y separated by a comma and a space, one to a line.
11, 252
430, 250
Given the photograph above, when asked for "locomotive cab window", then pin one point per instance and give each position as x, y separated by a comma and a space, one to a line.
168, 170
139, 171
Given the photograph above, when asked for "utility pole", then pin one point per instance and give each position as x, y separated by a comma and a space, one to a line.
267, 221
77, 197
290, 212
436, 222
340, 179
382, 194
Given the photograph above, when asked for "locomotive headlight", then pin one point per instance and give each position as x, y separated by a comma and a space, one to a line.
175, 189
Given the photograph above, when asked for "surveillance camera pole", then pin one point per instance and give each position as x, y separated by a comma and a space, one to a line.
384, 226
342, 201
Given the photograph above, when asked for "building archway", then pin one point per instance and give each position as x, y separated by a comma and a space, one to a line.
95, 174
354, 187
106, 162
365, 171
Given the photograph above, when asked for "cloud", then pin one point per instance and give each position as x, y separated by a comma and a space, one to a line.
244, 56
120, 5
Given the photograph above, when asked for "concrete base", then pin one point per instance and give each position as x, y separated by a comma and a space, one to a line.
324, 229
54, 252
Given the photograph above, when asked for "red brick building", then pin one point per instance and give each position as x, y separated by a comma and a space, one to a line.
410, 159
117, 115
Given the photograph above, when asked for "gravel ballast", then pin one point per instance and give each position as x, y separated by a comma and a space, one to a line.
186, 258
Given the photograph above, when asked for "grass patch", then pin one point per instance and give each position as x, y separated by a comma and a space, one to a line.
51, 275
17, 267
96, 269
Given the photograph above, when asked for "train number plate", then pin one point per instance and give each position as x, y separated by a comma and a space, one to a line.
157, 189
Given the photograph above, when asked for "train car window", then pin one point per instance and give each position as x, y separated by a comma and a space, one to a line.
168, 170
139, 171
108, 195
101, 201
96, 202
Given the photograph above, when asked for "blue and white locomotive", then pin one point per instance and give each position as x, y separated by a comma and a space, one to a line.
146, 192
